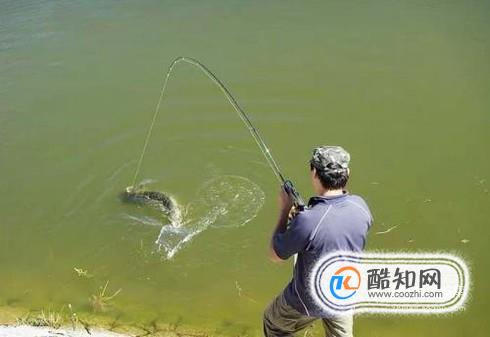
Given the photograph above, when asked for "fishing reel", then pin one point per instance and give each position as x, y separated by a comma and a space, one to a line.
298, 202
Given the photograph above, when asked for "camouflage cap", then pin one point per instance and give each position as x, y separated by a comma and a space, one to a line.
330, 159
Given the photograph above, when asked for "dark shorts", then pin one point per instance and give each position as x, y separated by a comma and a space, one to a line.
282, 320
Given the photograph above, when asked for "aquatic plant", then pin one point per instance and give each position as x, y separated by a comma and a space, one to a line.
82, 272
100, 301
150, 329
115, 323
75, 320
48, 318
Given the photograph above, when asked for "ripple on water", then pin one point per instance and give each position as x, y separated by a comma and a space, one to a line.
225, 201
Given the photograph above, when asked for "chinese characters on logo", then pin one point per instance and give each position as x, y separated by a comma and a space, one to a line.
381, 278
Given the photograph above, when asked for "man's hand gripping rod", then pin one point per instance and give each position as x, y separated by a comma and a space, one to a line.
298, 202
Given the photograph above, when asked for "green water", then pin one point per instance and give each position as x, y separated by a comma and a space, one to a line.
403, 85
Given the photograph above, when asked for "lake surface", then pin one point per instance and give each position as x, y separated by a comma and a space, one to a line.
401, 85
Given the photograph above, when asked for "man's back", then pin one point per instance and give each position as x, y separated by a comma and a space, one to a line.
329, 224
334, 221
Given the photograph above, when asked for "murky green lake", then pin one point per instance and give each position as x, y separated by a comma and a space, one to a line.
403, 85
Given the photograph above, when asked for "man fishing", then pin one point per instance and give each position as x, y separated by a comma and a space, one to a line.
333, 221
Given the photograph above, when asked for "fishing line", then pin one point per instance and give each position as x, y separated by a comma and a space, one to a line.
241, 113
260, 142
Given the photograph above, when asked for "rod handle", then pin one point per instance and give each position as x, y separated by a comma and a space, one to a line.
293, 193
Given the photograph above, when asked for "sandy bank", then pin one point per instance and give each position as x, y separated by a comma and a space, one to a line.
30, 331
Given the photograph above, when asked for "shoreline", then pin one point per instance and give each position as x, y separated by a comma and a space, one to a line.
37, 331
21, 322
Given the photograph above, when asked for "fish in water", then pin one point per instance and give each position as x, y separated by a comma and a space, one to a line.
159, 200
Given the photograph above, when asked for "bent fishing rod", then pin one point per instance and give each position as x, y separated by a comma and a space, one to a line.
286, 183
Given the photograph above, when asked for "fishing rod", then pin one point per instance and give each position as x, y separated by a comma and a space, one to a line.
286, 183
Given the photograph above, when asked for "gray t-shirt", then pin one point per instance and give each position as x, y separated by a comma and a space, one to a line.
329, 224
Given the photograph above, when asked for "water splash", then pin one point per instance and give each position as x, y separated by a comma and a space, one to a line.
224, 201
